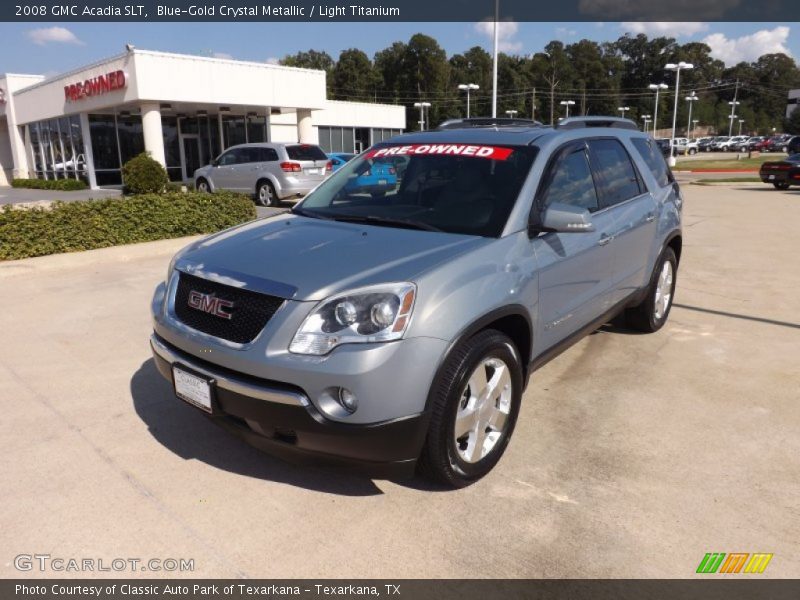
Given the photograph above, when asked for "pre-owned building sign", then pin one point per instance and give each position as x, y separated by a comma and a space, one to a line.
97, 86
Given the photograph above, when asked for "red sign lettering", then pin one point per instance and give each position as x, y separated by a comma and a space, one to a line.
97, 86
490, 152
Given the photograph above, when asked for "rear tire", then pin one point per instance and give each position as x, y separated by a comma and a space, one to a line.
475, 407
781, 185
651, 314
265, 194
692, 151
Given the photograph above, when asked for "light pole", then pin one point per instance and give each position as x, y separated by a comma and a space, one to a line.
691, 99
512, 113
494, 59
694, 125
733, 104
422, 106
566, 104
623, 110
647, 120
677, 68
468, 87
740, 126
657, 87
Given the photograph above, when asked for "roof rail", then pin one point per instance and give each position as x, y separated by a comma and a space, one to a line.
487, 122
581, 122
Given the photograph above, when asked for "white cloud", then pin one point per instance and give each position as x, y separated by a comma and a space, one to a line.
748, 47
55, 35
223, 55
564, 31
506, 30
273, 60
663, 28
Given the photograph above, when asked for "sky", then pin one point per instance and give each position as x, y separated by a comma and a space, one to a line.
52, 48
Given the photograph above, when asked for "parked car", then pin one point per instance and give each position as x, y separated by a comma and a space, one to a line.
272, 172
720, 143
781, 173
664, 146
376, 176
793, 147
755, 143
735, 143
399, 333
340, 159
685, 146
777, 143
704, 144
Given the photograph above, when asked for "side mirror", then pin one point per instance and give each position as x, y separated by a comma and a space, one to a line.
565, 218
215, 163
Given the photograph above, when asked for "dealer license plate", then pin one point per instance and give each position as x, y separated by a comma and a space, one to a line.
382, 182
192, 389
772, 176
313, 171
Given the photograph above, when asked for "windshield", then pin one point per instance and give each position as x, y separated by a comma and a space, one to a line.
456, 188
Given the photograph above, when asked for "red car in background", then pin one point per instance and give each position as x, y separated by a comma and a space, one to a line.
777, 143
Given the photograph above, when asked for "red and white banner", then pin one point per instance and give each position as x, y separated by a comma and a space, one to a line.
468, 150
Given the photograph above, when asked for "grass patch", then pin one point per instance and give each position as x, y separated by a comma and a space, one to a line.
75, 226
727, 164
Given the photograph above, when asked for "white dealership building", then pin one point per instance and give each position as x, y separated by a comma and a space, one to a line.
184, 110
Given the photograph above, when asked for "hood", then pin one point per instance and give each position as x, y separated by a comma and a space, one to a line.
310, 259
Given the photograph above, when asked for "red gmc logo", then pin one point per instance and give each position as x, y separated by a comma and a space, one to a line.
210, 304
96, 86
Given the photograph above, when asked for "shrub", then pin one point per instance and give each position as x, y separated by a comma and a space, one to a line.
144, 175
64, 185
74, 226
173, 186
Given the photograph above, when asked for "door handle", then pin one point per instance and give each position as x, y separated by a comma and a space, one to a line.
650, 218
604, 239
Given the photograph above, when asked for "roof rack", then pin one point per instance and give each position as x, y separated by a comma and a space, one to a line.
581, 122
487, 122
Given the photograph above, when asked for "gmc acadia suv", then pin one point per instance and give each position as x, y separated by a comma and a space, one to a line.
399, 331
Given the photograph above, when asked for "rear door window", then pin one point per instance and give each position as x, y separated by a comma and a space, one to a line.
305, 152
654, 160
618, 177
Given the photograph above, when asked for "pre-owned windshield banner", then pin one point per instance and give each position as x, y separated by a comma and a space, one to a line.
467, 150
403, 10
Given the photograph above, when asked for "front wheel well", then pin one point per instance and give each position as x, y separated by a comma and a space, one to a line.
517, 328
676, 243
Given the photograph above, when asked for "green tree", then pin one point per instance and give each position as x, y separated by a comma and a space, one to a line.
354, 78
425, 74
311, 59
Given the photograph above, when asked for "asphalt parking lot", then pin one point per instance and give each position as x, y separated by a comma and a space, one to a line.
633, 457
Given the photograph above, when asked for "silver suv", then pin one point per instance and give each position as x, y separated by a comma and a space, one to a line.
272, 172
399, 331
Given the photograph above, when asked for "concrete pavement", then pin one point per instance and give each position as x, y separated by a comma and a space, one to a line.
9, 195
634, 454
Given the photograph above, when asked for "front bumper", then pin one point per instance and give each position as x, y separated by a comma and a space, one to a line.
280, 419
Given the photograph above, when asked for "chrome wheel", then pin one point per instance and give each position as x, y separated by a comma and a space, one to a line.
663, 290
202, 186
266, 197
483, 410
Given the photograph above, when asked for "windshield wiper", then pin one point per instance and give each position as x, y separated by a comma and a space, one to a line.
388, 221
307, 213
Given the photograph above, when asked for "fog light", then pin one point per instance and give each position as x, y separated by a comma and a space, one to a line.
348, 400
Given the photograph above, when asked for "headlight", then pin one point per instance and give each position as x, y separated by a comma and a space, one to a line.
170, 269
377, 313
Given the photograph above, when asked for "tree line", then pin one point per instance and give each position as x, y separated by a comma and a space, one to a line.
598, 77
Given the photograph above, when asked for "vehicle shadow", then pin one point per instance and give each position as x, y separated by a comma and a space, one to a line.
189, 434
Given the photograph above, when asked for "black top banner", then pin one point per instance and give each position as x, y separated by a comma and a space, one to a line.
404, 10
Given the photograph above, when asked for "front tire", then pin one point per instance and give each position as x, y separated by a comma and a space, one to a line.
692, 151
781, 185
652, 313
475, 407
203, 186
265, 194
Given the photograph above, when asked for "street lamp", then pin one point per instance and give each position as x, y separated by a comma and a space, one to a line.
422, 106
647, 120
623, 110
733, 104
512, 113
740, 126
691, 99
677, 68
657, 87
694, 124
566, 104
468, 87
